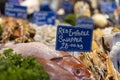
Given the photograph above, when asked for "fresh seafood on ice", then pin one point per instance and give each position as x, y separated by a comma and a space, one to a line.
45, 34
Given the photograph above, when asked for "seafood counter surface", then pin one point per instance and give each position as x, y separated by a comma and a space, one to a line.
27, 39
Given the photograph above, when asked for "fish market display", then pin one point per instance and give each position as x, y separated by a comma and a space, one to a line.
27, 50
97, 61
63, 59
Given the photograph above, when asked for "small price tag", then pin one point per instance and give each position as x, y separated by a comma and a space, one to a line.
45, 7
14, 10
74, 38
67, 6
44, 17
15, 1
107, 7
85, 22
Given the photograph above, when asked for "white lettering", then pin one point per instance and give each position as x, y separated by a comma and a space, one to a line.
60, 31
60, 38
78, 33
64, 46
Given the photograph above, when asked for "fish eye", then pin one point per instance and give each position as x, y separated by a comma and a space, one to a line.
78, 71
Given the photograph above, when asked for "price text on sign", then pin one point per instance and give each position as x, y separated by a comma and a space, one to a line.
44, 17
14, 10
73, 38
67, 6
85, 23
15, 1
107, 7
